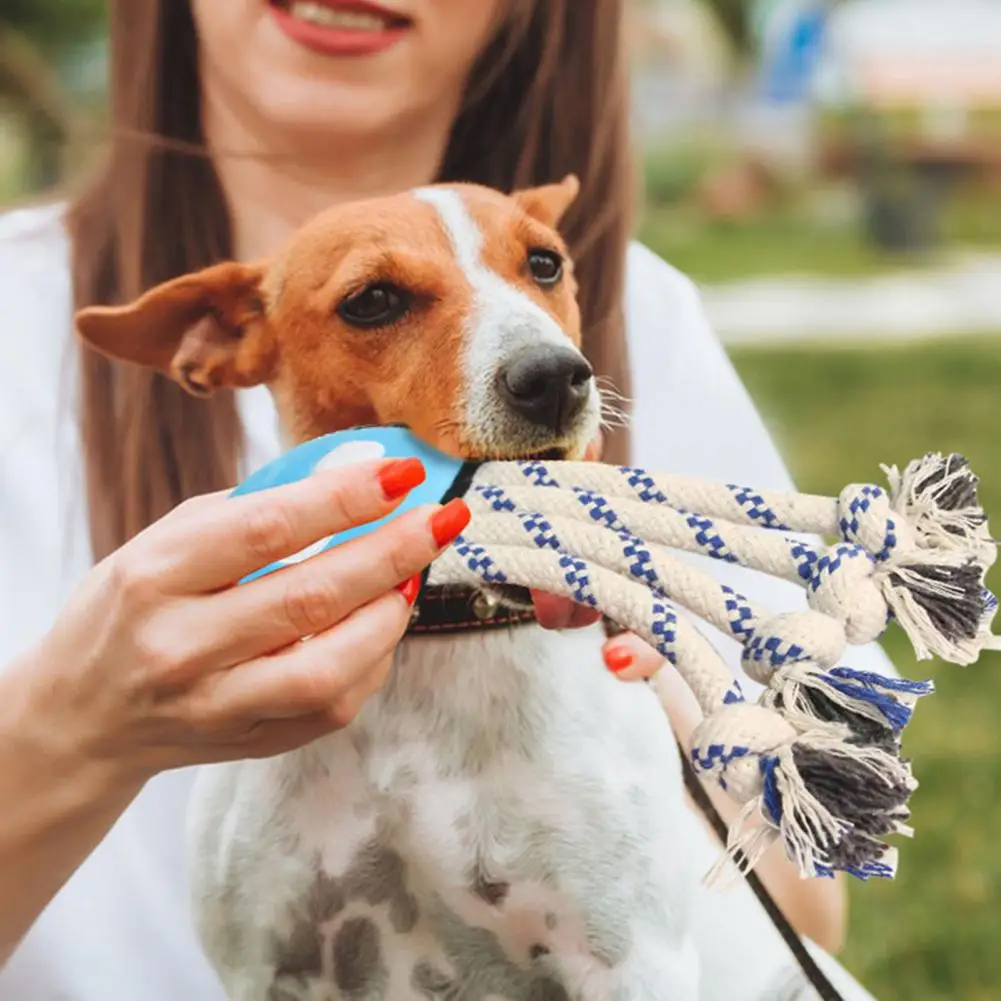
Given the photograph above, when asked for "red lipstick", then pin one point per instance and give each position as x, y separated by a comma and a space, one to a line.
340, 27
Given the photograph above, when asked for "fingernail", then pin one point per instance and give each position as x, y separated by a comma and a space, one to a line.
618, 658
400, 476
447, 523
410, 588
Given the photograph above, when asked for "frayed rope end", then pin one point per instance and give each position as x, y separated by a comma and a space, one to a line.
829, 801
874, 708
939, 497
942, 606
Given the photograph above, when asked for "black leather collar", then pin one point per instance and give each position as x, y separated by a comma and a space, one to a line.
454, 609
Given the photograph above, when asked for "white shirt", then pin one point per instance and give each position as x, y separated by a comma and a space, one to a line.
120, 930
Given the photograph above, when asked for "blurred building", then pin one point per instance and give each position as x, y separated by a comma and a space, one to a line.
903, 53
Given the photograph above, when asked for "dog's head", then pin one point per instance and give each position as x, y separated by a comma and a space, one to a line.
450, 309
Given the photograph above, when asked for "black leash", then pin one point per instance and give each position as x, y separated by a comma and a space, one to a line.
818, 979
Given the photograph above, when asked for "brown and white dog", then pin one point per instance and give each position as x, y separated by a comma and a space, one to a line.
497, 822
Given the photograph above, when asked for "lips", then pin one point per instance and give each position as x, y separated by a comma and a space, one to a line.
332, 27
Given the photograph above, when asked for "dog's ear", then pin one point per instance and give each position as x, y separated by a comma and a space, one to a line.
549, 202
206, 330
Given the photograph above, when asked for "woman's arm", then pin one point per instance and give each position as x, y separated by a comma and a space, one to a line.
57, 806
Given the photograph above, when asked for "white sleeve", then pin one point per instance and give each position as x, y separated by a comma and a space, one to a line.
43, 537
692, 415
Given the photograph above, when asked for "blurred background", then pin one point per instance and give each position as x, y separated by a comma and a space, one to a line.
830, 174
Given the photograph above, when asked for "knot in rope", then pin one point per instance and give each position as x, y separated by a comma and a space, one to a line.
843, 585
792, 638
730, 744
866, 518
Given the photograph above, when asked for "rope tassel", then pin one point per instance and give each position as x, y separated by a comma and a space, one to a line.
830, 802
938, 495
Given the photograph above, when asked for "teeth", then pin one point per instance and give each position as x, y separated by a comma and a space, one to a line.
327, 17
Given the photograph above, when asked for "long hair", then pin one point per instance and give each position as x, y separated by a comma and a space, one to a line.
549, 96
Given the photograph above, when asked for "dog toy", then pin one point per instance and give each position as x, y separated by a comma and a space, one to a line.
817, 759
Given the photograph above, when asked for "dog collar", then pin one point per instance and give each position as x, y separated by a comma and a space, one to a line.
448, 610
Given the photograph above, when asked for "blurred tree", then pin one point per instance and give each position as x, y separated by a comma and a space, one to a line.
735, 17
36, 37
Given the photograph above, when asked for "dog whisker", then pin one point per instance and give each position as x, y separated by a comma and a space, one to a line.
615, 407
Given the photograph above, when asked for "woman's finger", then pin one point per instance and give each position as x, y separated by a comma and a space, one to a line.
211, 545
316, 675
310, 597
630, 658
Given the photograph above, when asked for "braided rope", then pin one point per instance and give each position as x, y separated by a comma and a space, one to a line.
818, 758
884, 567
637, 607
936, 497
785, 652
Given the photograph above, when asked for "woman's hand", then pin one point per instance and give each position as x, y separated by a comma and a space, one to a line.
160, 661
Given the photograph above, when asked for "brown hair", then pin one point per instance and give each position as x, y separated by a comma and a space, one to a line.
553, 84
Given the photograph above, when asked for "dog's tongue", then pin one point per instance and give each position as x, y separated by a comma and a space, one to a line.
553, 612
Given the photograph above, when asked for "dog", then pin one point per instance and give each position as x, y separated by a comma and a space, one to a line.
497, 822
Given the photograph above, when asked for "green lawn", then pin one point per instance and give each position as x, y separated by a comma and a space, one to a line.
780, 244
815, 230
789, 241
933, 934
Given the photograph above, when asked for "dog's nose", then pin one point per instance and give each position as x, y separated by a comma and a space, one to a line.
548, 385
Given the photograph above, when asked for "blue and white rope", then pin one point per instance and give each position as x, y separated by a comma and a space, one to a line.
633, 604
916, 504
860, 581
811, 642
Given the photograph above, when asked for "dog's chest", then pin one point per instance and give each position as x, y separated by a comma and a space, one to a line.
485, 822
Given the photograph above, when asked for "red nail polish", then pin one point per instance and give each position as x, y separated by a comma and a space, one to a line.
617, 659
449, 522
410, 589
400, 476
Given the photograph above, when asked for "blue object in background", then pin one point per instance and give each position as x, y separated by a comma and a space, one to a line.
345, 448
789, 63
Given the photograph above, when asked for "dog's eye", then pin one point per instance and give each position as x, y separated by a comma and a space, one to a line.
546, 266
374, 306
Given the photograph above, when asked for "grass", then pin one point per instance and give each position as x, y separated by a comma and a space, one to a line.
934, 933
812, 231
792, 240
780, 244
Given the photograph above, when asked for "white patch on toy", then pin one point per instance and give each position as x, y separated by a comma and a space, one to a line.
348, 454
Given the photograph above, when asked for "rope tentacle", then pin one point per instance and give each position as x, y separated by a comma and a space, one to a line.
645, 611
793, 655
789, 776
886, 567
936, 495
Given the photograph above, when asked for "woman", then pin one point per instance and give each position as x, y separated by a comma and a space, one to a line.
300, 105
